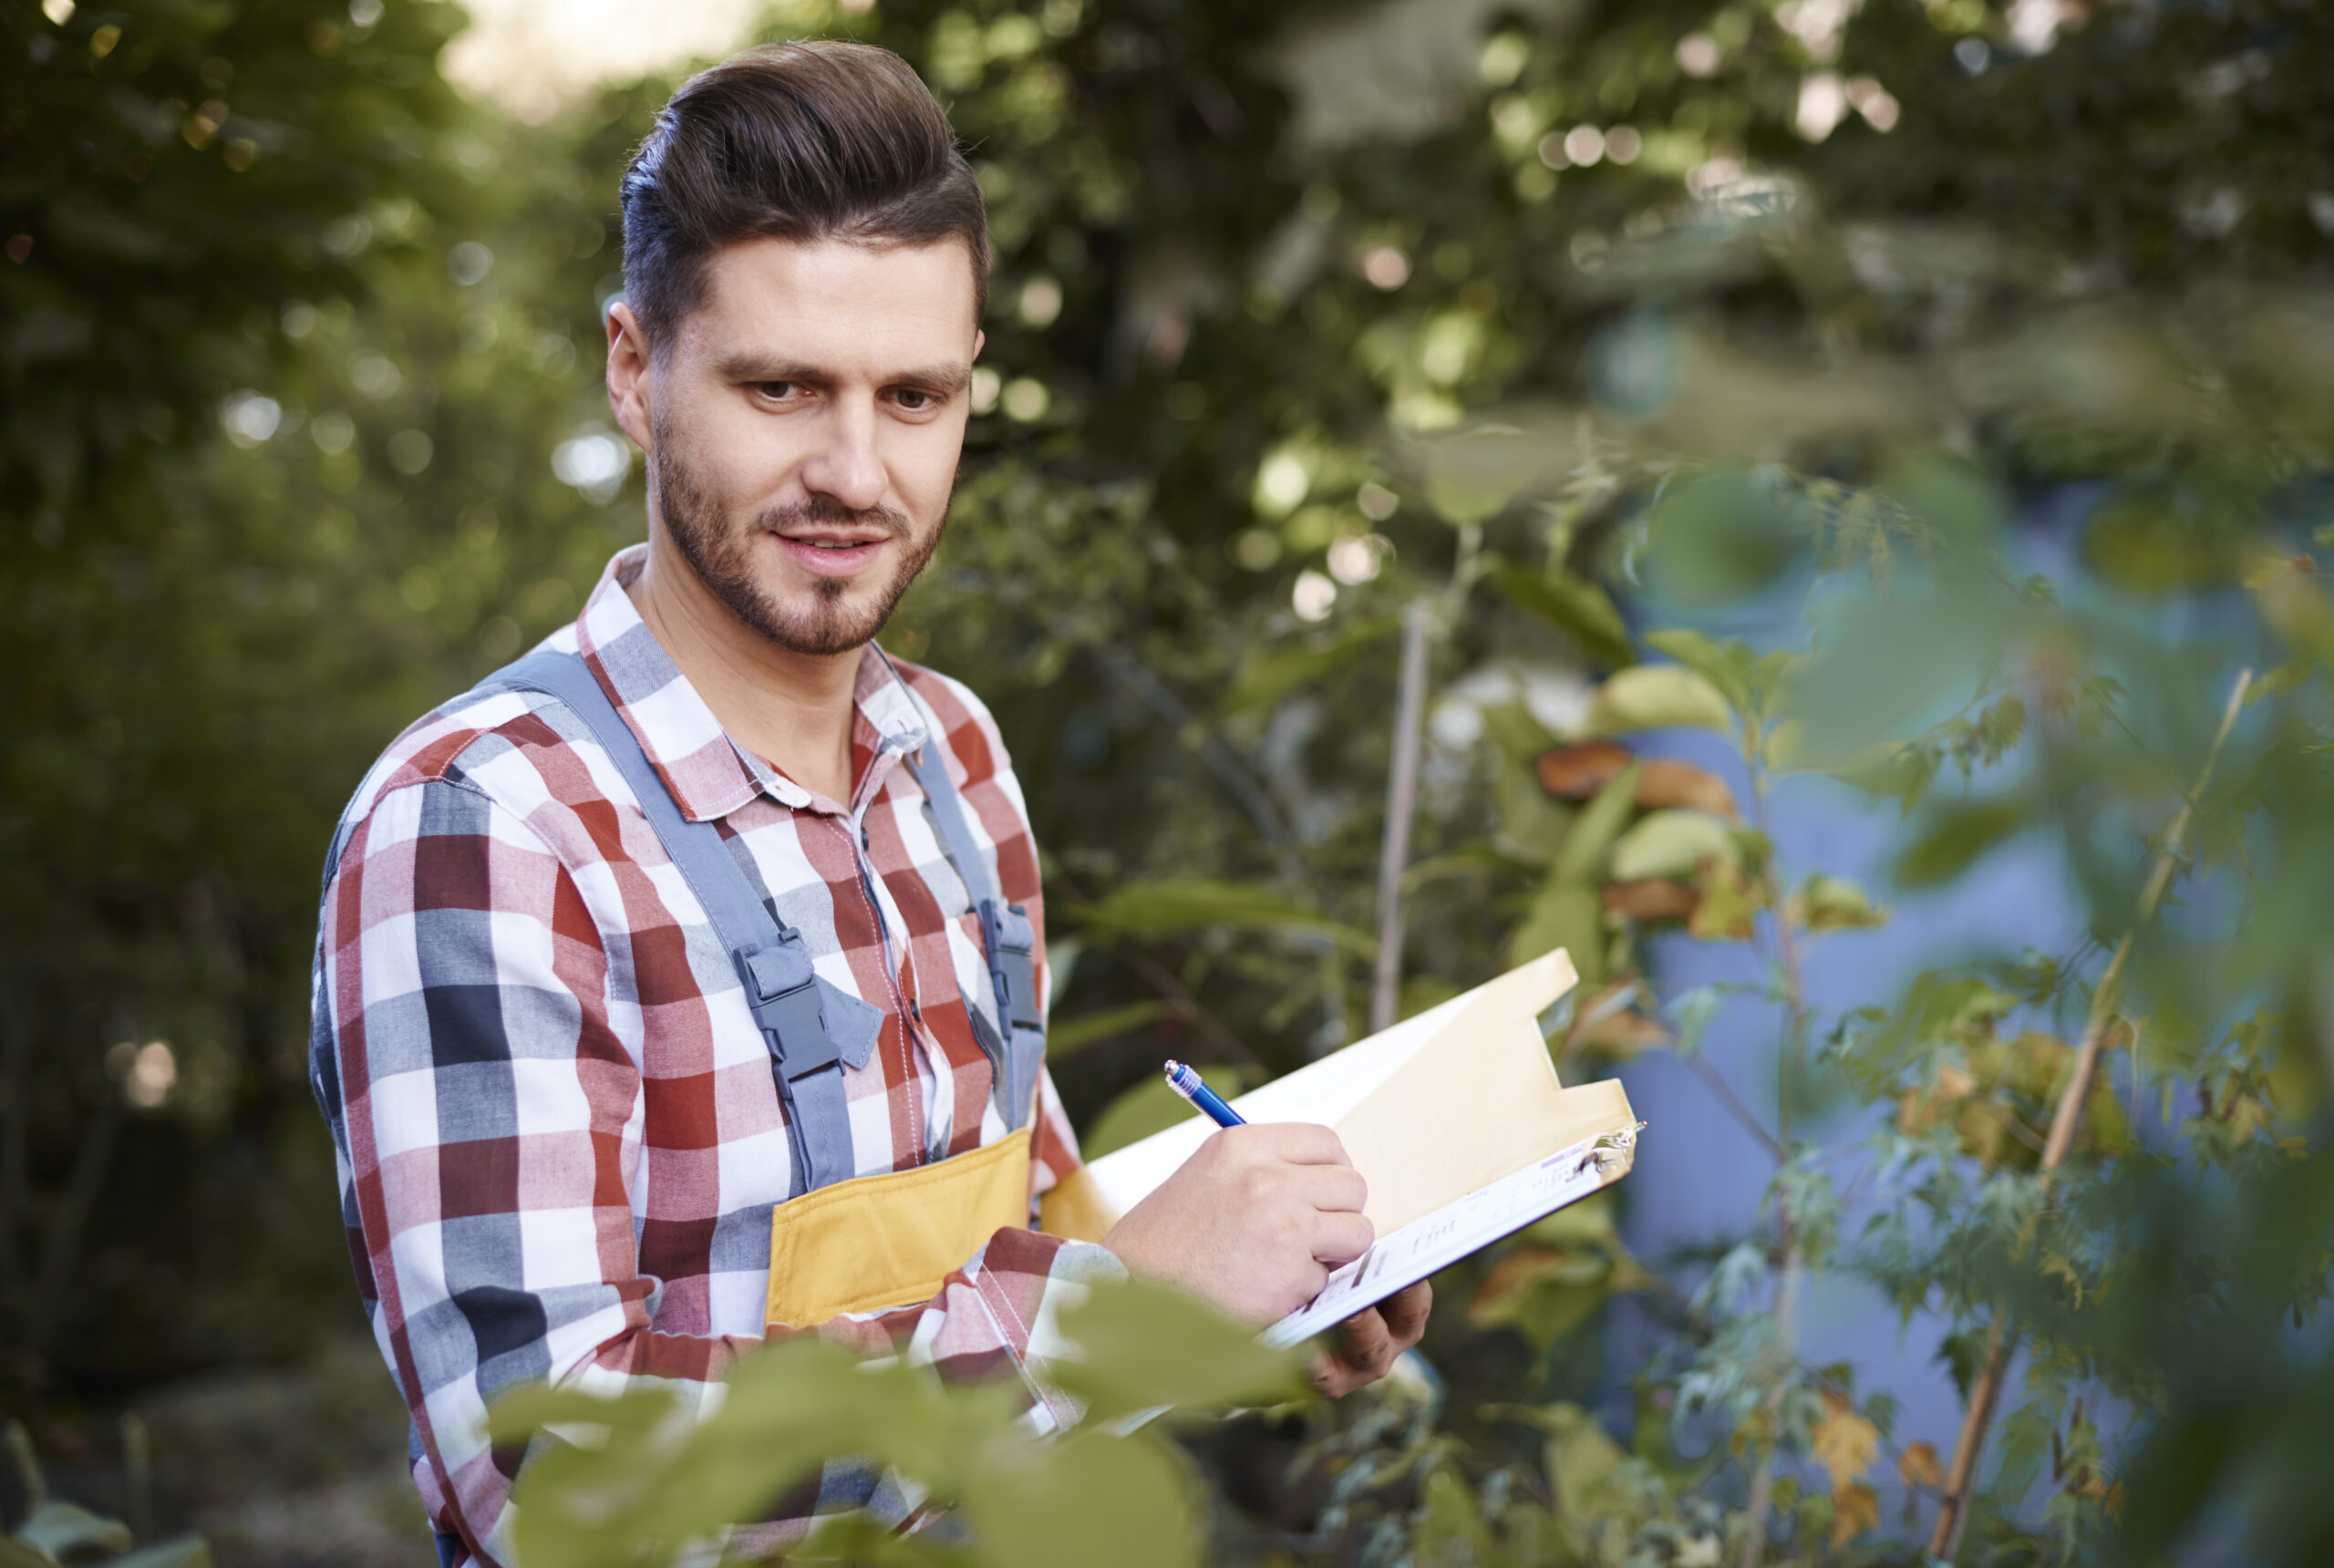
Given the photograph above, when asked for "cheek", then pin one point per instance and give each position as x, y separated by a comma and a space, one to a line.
730, 468
923, 465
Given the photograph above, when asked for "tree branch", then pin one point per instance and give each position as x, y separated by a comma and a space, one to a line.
2001, 1344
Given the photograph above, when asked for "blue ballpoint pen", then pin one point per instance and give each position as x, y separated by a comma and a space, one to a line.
1192, 1087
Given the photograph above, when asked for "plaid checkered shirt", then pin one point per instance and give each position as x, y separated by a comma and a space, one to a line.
558, 1136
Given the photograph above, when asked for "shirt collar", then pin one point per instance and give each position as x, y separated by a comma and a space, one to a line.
709, 774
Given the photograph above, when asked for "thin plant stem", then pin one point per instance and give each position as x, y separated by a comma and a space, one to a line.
1762, 1482
1174, 993
1422, 620
1723, 1091
1180, 1001
1795, 1015
1786, 941
2001, 1343
1401, 803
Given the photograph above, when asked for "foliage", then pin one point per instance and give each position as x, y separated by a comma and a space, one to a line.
624, 1484
1635, 312
54, 1530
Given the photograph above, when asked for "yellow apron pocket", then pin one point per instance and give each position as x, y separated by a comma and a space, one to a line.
878, 1242
1074, 1207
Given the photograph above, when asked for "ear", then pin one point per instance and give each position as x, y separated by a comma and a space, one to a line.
630, 374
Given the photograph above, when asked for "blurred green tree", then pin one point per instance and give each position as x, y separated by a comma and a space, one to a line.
1300, 317
281, 391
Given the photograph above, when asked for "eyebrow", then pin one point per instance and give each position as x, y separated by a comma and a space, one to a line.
943, 379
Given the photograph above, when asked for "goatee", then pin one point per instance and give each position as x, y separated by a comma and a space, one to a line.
720, 554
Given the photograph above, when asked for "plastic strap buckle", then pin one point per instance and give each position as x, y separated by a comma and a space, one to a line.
783, 992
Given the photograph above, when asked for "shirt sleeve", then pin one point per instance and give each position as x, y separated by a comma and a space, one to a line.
487, 1116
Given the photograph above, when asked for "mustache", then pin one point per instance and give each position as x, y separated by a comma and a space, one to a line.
826, 510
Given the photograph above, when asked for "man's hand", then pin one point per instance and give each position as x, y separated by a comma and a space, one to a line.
1369, 1342
1253, 1221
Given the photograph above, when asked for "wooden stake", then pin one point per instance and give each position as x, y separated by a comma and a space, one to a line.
1953, 1512
1402, 801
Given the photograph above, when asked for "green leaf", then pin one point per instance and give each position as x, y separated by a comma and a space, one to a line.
1572, 605
1533, 824
64, 1530
1274, 670
1085, 1499
1955, 835
643, 1482
1145, 1344
1828, 903
1147, 1108
1730, 906
1157, 908
1472, 475
1064, 1036
1566, 914
1728, 666
1656, 697
1580, 1458
1512, 727
1599, 824
1673, 843
1770, 677
1557, 1274
1891, 769
1451, 1527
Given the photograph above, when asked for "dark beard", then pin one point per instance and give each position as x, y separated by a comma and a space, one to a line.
719, 555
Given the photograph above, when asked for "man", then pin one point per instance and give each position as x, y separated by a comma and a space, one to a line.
675, 986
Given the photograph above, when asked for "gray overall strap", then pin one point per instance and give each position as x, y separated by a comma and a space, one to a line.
773, 962
1008, 940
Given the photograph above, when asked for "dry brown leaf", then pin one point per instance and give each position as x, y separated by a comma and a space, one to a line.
1578, 771
1843, 1442
1622, 1030
1854, 1510
1651, 898
1921, 1108
1919, 1467
1669, 782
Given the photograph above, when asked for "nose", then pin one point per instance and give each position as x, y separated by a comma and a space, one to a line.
846, 466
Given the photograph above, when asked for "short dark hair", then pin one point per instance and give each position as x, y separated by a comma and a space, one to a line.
797, 141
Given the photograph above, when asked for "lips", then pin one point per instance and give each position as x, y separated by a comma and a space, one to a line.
833, 554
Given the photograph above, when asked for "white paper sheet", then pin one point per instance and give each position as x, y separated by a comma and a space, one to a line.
1433, 1242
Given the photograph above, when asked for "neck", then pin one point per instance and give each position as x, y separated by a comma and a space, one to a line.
794, 710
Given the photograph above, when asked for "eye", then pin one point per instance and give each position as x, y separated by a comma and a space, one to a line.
778, 391
916, 400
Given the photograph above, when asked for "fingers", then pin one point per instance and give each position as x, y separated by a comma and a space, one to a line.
1328, 1375
1339, 1238
1406, 1312
1337, 1189
1369, 1343
1298, 1142
1366, 1352
1364, 1345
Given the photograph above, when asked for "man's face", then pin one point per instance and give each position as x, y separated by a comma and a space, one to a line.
803, 429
